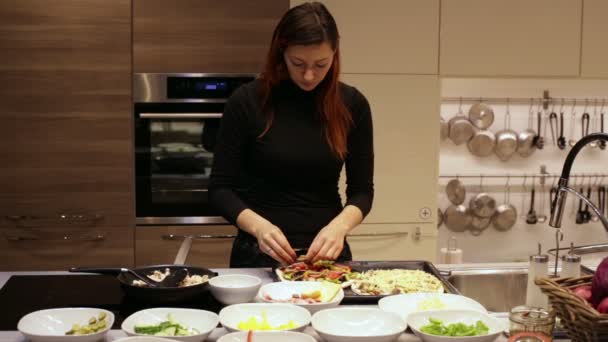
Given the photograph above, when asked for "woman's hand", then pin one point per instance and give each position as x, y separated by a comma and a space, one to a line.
273, 242
328, 243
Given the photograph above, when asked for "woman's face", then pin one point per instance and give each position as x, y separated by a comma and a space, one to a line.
308, 64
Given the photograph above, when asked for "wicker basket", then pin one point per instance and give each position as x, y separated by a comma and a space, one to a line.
582, 322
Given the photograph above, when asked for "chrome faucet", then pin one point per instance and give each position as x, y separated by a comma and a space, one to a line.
557, 209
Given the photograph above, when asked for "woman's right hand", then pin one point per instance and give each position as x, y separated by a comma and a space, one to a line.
273, 242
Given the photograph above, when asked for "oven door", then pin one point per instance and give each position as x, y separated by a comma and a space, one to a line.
174, 145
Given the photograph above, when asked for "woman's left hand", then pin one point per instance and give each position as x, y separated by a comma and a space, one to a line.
328, 244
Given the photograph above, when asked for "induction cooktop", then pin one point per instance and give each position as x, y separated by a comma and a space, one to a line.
23, 294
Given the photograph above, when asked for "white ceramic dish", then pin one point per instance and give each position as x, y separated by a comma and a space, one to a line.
201, 320
234, 288
417, 320
267, 336
144, 339
280, 291
405, 304
358, 325
276, 314
52, 324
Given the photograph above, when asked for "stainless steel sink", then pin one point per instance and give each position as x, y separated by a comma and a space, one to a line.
499, 290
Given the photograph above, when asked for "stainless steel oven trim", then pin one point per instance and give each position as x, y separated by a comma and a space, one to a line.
154, 221
152, 87
180, 115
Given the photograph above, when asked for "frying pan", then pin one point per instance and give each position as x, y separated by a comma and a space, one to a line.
159, 294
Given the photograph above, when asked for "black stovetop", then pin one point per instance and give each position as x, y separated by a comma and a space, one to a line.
23, 294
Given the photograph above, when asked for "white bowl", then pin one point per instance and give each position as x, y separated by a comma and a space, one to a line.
417, 320
267, 336
52, 324
280, 291
144, 339
234, 288
201, 320
405, 304
358, 324
276, 313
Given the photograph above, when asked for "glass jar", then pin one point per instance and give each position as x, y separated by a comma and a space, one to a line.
532, 319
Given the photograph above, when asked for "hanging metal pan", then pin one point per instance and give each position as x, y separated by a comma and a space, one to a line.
457, 218
482, 144
455, 191
481, 115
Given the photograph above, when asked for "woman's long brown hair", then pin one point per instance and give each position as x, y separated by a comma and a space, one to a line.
308, 24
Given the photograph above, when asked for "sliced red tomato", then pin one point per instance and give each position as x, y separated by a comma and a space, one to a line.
313, 275
334, 274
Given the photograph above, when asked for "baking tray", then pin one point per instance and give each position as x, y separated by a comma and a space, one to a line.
361, 266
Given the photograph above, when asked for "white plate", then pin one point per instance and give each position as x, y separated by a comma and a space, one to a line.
52, 324
276, 314
405, 304
285, 290
201, 320
358, 325
267, 336
417, 320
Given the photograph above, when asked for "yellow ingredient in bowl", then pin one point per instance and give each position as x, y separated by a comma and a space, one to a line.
432, 303
253, 324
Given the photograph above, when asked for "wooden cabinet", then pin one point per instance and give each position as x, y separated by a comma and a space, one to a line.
389, 36
393, 242
203, 35
66, 95
405, 111
211, 245
594, 44
511, 37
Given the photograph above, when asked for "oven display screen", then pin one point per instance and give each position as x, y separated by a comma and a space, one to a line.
203, 87
211, 86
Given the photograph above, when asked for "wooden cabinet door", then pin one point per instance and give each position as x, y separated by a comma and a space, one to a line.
203, 35
405, 112
595, 31
66, 94
393, 242
211, 245
389, 36
510, 37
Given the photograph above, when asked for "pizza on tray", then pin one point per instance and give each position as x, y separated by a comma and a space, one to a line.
395, 281
322, 270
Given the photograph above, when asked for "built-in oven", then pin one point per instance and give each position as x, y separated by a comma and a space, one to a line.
176, 123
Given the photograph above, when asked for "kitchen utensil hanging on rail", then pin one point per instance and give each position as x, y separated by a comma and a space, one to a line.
525, 138
460, 128
506, 213
506, 139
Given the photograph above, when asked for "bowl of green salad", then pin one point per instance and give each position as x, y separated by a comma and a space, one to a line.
454, 326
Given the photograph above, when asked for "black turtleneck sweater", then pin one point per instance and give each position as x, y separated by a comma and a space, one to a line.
290, 175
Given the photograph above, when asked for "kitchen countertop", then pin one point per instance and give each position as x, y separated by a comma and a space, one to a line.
262, 273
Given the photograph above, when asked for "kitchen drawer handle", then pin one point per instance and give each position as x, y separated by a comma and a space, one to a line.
379, 234
198, 237
180, 115
88, 219
97, 237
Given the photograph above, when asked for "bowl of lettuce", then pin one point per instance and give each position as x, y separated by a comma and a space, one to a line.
454, 326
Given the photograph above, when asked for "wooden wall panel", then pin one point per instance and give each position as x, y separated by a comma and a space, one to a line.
66, 72
203, 35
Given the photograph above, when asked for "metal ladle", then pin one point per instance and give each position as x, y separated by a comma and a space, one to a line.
572, 141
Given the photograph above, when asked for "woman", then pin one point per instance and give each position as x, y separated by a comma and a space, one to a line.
283, 141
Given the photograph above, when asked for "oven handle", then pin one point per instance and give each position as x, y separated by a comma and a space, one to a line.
180, 115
